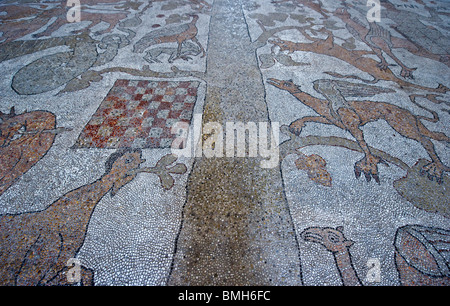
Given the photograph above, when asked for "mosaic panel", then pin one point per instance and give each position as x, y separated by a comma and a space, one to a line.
139, 114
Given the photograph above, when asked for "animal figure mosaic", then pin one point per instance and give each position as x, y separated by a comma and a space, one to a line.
416, 29
24, 139
169, 34
136, 116
187, 49
64, 67
380, 40
421, 254
352, 115
93, 11
15, 25
314, 5
356, 58
47, 239
335, 242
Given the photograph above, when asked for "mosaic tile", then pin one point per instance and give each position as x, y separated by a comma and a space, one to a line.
143, 121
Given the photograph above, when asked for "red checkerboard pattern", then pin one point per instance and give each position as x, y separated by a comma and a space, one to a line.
140, 114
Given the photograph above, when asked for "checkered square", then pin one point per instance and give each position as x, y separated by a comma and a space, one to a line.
139, 114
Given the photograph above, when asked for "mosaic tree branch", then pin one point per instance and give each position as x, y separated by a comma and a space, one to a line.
96, 76
150, 73
297, 142
163, 170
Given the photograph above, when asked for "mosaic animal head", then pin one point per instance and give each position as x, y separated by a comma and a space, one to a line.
120, 166
332, 239
285, 85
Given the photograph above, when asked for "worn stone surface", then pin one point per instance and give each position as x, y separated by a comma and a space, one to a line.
246, 219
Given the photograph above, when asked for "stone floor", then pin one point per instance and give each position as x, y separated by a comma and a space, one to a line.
224, 142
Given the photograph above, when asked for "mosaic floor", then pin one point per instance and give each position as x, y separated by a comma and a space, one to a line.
225, 142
